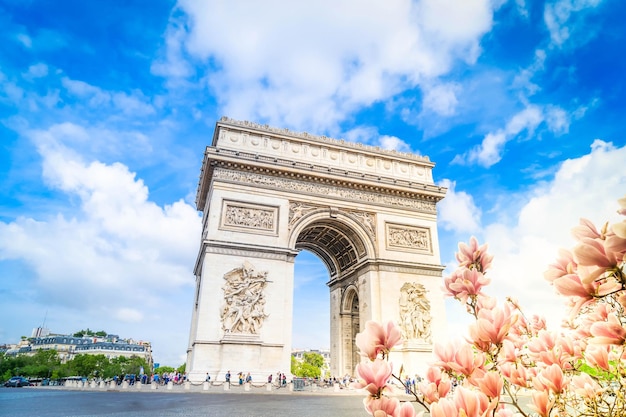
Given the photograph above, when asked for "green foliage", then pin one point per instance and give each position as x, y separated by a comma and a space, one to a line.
46, 364
314, 359
182, 368
88, 332
164, 370
310, 366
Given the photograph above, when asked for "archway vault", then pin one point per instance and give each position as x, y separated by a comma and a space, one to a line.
368, 214
339, 241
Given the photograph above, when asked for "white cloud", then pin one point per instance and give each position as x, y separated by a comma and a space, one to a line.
561, 18
133, 104
38, 70
457, 211
303, 66
587, 187
115, 257
25, 40
394, 143
441, 98
490, 151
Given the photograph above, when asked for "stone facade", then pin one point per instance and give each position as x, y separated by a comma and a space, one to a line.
369, 214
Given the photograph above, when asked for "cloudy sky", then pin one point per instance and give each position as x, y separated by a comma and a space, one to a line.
106, 107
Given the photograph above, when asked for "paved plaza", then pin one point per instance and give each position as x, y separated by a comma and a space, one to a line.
56, 401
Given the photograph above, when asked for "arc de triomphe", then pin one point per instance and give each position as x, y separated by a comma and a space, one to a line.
369, 214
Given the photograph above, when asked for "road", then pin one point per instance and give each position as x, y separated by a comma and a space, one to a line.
50, 402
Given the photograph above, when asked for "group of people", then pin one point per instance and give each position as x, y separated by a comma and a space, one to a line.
410, 384
281, 379
175, 377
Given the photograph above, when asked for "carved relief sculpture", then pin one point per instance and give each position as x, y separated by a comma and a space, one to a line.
297, 210
245, 216
415, 315
408, 238
244, 307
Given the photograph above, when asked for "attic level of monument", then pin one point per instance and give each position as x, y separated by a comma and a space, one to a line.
271, 153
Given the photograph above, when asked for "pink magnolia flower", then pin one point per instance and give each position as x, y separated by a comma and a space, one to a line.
593, 253
619, 229
473, 256
467, 362
610, 332
444, 355
598, 356
435, 389
407, 410
585, 229
382, 407
553, 379
622, 206
585, 386
491, 384
444, 408
564, 265
373, 376
516, 374
542, 403
377, 338
464, 283
492, 326
472, 403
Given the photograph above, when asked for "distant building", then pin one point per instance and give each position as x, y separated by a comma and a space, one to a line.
68, 346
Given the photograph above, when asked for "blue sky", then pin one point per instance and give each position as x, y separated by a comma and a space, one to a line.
106, 107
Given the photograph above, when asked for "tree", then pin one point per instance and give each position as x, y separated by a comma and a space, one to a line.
309, 367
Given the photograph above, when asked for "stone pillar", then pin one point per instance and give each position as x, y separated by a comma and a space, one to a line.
246, 386
187, 385
226, 386
154, 385
125, 384
268, 386
170, 385
205, 386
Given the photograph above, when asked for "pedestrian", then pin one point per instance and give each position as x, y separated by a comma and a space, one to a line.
228, 377
208, 377
269, 379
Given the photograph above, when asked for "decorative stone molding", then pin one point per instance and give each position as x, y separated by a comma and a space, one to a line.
408, 238
415, 318
367, 220
247, 217
243, 310
314, 151
293, 185
248, 251
297, 210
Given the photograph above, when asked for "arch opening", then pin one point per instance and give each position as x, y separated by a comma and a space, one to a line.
341, 249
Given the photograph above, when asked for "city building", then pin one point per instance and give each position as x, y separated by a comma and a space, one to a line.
68, 346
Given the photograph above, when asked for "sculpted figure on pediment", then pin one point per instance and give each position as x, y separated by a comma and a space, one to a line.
244, 300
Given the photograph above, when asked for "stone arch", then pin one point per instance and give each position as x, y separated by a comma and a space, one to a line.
266, 194
339, 240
